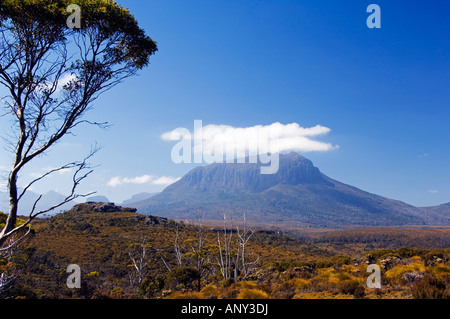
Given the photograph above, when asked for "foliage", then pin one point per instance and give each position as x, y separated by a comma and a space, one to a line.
53, 73
432, 287
352, 287
152, 286
396, 274
384, 238
252, 294
182, 277
103, 15
288, 269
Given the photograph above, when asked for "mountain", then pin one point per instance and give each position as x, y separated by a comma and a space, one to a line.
443, 209
137, 198
4, 202
297, 195
47, 200
97, 199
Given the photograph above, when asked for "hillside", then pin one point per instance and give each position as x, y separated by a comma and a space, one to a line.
443, 210
99, 236
299, 194
102, 237
137, 198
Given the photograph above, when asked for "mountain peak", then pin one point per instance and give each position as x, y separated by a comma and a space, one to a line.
293, 169
298, 194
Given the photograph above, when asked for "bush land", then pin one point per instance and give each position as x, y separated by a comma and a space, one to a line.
101, 243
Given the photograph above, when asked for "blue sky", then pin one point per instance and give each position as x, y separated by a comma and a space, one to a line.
384, 93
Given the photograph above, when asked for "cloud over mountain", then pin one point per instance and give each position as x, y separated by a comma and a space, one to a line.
298, 194
144, 179
253, 140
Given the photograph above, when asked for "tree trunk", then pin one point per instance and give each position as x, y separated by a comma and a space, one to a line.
13, 206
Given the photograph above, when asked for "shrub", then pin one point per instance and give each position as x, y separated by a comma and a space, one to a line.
186, 295
285, 290
227, 282
380, 254
117, 290
440, 269
93, 274
340, 260
151, 286
352, 287
210, 292
404, 252
252, 294
182, 277
343, 276
430, 287
247, 284
282, 265
117, 293
299, 283
396, 274
324, 263
318, 284
230, 293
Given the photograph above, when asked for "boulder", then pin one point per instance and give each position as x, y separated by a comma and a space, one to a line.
413, 276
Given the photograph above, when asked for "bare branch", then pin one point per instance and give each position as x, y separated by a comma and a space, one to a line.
64, 167
17, 241
139, 263
163, 260
176, 246
76, 179
43, 108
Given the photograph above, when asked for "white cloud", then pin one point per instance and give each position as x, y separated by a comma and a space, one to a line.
144, 179
433, 191
58, 171
137, 180
284, 137
165, 180
64, 79
115, 181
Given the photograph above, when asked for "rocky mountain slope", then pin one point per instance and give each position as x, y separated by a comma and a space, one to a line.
298, 194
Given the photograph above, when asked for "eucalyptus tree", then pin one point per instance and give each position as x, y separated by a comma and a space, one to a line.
56, 58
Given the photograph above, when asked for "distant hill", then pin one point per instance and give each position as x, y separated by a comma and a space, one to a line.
298, 194
443, 209
98, 199
48, 199
138, 198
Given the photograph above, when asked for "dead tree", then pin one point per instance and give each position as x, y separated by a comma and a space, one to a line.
196, 250
177, 247
244, 236
233, 250
224, 240
139, 258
